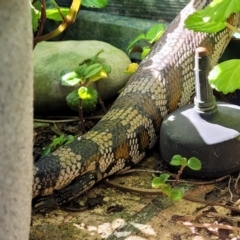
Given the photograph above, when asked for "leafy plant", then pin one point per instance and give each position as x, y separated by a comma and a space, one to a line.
225, 76
59, 141
39, 16
85, 98
172, 192
50, 10
51, 13
153, 34
87, 72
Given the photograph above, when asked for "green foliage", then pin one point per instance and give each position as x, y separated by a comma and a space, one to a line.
193, 163
94, 3
172, 192
150, 38
59, 141
87, 72
178, 160
160, 182
89, 98
86, 93
225, 76
51, 13
70, 79
55, 13
88, 103
213, 18
73, 100
176, 194
36, 14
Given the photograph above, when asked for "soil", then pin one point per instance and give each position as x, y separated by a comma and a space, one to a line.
116, 214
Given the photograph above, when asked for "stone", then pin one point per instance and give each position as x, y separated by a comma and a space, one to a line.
116, 30
50, 58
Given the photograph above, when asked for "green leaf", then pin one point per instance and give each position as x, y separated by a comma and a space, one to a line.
57, 141
71, 82
225, 76
164, 177
155, 33
194, 163
80, 70
69, 76
46, 151
86, 93
107, 68
70, 79
220, 10
176, 194
68, 139
73, 100
176, 160
198, 22
35, 15
213, 17
100, 75
167, 190
49, 4
159, 182
62, 73
93, 59
54, 14
61, 140
91, 70
94, 3
145, 52
89, 105
139, 37
156, 183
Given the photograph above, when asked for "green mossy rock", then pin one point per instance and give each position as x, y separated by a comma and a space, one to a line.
50, 58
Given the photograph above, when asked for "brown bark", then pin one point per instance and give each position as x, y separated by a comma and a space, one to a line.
16, 98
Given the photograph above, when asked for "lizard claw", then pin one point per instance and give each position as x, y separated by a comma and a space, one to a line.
44, 204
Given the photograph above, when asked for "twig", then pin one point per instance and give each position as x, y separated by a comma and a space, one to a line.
81, 123
137, 170
229, 189
59, 10
56, 121
174, 176
55, 129
71, 119
177, 177
69, 19
158, 192
100, 101
42, 20
236, 182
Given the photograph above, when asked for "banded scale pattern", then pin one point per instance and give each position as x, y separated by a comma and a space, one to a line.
163, 82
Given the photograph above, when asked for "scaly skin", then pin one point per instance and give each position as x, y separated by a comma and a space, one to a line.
163, 81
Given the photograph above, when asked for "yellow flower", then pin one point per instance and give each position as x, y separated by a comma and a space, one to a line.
99, 75
132, 67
